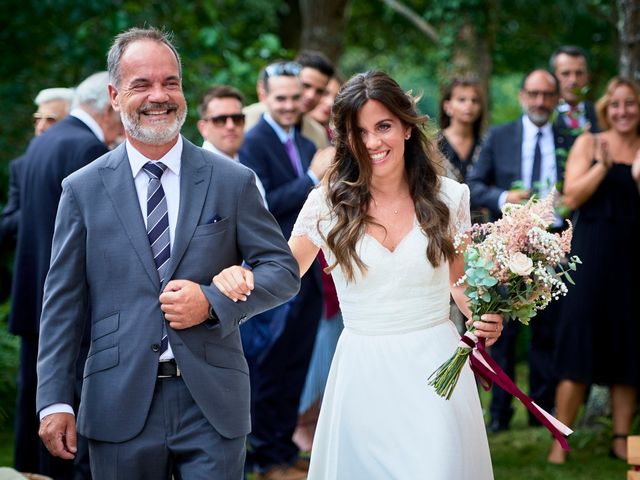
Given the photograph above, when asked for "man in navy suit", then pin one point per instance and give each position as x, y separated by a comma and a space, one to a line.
65, 147
284, 161
575, 114
517, 160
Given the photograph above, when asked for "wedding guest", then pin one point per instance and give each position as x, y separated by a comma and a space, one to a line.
53, 105
315, 70
322, 112
575, 113
331, 322
597, 342
384, 219
70, 144
519, 159
461, 117
221, 123
288, 167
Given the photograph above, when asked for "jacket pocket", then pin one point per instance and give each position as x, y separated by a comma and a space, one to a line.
224, 357
102, 360
105, 326
211, 228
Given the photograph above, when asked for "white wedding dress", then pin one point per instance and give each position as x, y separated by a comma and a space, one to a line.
379, 418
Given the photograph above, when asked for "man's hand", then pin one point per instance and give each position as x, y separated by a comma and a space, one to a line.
517, 196
58, 433
184, 304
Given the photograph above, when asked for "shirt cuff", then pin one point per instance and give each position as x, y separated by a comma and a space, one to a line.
56, 408
502, 199
313, 177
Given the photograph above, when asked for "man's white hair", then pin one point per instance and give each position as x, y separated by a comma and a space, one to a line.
50, 94
93, 93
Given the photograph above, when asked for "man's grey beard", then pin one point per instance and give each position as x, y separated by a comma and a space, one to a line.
538, 119
153, 135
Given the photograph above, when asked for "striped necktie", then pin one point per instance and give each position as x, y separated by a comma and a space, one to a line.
158, 227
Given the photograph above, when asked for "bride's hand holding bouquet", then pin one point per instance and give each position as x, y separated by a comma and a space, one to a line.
514, 267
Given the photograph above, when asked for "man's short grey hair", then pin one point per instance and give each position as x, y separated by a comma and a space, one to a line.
124, 39
51, 94
93, 92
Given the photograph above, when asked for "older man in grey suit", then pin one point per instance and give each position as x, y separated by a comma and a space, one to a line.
160, 398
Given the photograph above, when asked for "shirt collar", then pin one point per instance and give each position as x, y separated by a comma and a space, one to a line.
171, 159
530, 129
89, 121
282, 135
564, 107
212, 148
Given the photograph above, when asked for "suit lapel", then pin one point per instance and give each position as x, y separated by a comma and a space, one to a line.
118, 182
517, 148
195, 177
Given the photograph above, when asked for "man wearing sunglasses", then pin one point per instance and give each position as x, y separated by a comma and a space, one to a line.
221, 123
53, 105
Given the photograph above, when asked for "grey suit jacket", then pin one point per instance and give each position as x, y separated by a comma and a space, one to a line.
101, 258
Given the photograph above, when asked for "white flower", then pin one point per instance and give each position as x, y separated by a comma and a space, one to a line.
520, 264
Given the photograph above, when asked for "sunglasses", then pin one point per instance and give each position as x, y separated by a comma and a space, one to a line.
290, 69
221, 120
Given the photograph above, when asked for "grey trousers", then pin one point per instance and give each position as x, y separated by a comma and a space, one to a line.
177, 440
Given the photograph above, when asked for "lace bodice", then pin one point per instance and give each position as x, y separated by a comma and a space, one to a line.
400, 291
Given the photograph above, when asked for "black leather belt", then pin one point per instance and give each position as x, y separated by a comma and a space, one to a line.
168, 369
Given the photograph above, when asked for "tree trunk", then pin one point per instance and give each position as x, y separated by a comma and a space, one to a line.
323, 26
629, 31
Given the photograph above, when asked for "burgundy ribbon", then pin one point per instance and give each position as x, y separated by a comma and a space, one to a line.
489, 372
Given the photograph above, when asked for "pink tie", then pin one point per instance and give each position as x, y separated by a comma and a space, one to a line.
572, 118
291, 151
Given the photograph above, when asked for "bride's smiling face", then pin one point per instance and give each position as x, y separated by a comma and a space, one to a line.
383, 136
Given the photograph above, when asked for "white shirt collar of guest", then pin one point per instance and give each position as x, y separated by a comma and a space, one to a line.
530, 129
212, 148
564, 107
89, 121
171, 159
282, 135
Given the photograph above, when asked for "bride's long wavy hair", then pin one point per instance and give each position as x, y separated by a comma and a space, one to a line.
348, 180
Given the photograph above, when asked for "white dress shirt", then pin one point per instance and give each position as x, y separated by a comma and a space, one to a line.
548, 171
89, 121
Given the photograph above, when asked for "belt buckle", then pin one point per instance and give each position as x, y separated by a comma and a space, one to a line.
178, 372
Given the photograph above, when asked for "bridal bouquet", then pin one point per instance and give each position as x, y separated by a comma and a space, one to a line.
512, 266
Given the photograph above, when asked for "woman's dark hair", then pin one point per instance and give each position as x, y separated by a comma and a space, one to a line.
447, 91
348, 180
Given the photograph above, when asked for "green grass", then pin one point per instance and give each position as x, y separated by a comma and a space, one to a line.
6, 448
521, 452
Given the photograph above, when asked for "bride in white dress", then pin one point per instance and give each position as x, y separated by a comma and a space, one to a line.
384, 220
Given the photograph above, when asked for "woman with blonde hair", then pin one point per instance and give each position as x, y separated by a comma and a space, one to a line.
599, 327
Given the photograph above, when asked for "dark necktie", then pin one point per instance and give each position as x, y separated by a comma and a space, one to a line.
537, 164
158, 227
291, 151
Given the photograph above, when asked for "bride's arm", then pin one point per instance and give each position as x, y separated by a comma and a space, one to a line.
236, 282
490, 326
